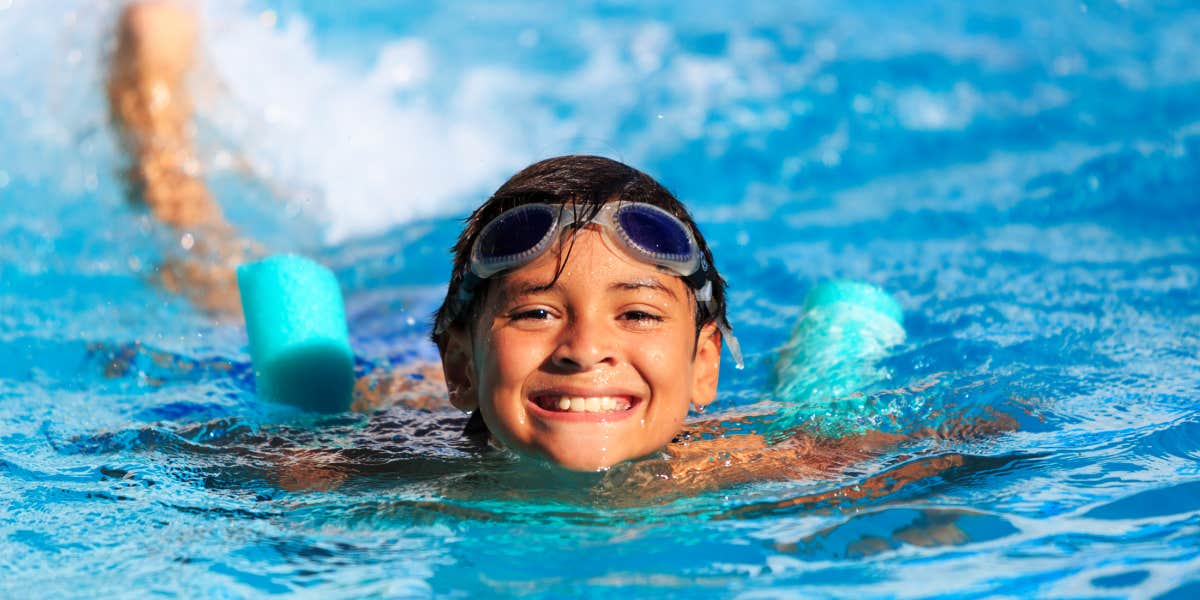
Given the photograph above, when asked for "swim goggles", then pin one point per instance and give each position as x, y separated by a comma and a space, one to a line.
646, 232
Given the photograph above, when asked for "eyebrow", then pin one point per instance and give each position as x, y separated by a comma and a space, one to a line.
529, 287
533, 287
652, 284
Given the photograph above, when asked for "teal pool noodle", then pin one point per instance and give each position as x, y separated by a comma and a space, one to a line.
299, 342
832, 357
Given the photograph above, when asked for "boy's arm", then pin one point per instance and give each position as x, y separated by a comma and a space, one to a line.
723, 461
710, 458
420, 385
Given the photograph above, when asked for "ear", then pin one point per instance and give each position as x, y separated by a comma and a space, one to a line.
706, 366
458, 364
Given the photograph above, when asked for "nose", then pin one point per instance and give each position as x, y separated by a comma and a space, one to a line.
584, 345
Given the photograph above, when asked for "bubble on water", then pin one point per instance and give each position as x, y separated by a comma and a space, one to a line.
223, 160
649, 47
827, 84
826, 50
1067, 65
922, 110
528, 38
402, 64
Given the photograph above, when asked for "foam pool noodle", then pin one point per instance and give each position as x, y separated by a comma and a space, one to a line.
832, 357
299, 342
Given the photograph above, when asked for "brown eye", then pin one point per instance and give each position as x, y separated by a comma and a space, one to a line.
640, 316
537, 314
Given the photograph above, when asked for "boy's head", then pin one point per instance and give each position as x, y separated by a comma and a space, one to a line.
588, 347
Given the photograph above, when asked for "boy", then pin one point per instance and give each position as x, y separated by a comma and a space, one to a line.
583, 318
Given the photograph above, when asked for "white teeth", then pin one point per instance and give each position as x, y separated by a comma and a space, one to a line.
592, 404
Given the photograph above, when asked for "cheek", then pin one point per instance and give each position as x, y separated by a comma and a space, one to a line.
488, 366
508, 360
668, 361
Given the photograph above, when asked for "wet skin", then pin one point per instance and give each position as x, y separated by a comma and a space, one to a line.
610, 331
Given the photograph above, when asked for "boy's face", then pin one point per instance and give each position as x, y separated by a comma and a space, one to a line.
597, 368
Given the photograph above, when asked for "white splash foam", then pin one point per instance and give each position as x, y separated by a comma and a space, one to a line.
416, 133
377, 147
384, 146
50, 82
426, 127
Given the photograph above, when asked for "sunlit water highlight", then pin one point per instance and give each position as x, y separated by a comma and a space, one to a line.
1023, 179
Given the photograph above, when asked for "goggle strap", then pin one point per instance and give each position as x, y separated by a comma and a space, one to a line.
699, 280
731, 342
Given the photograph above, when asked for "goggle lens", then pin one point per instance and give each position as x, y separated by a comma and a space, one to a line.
515, 233
655, 232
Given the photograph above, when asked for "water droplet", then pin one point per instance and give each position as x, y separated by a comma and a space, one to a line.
187, 241
160, 96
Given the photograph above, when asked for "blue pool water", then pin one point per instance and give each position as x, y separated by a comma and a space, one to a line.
1023, 178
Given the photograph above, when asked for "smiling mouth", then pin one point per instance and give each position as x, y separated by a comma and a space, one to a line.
583, 404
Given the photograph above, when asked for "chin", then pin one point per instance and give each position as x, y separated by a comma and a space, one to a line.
585, 459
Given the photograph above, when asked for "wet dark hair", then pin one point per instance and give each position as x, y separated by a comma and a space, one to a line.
588, 182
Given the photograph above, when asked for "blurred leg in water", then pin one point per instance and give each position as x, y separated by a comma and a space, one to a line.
152, 113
